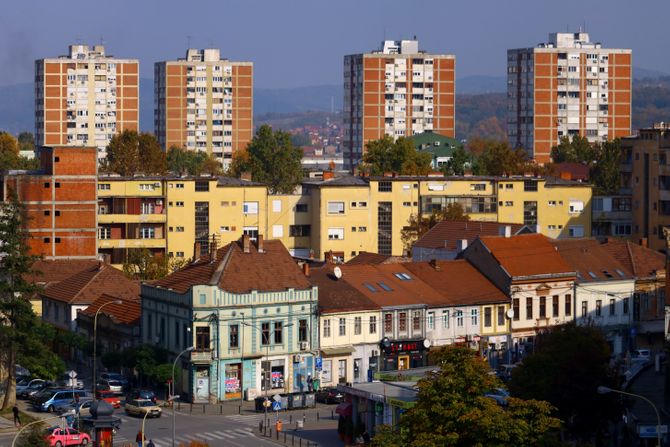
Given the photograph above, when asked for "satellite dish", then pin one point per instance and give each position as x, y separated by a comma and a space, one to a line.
337, 272
426, 343
510, 313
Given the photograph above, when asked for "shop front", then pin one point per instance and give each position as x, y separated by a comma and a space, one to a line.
337, 365
405, 354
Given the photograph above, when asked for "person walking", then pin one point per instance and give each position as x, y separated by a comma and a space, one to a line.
17, 417
151, 443
139, 438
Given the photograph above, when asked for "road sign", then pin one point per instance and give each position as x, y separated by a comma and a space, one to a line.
318, 363
649, 431
267, 403
72, 374
277, 397
276, 406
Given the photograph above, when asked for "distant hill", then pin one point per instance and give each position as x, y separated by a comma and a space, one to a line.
474, 85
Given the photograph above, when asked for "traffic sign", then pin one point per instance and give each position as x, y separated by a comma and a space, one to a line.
318, 363
276, 406
72, 374
267, 403
277, 397
649, 431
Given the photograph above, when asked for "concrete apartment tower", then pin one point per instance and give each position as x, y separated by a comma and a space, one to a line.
567, 86
204, 103
398, 91
85, 98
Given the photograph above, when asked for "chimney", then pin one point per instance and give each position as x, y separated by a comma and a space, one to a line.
508, 231
644, 242
329, 257
196, 251
260, 244
246, 176
433, 263
461, 245
246, 244
327, 175
305, 269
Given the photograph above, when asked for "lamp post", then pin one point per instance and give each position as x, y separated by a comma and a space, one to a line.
267, 360
144, 436
174, 365
95, 342
605, 390
32, 423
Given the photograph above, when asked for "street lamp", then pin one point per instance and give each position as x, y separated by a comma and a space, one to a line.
172, 396
267, 361
144, 436
605, 390
33, 423
95, 336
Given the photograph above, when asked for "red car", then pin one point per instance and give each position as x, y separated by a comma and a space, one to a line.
61, 437
110, 397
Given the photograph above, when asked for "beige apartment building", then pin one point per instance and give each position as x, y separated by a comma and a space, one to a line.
567, 86
399, 91
85, 98
204, 103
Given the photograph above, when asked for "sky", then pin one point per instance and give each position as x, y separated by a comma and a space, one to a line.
297, 43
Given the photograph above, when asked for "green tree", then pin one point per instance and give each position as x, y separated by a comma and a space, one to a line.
143, 265
26, 141
499, 159
181, 161
417, 225
568, 365
399, 156
152, 158
9, 151
459, 162
272, 159
451, 409
605, 173
123, 154
577, 150
36, 354
33, 437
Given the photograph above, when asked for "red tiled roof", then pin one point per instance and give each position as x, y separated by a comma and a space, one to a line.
235, 271
591, 260
128, 312
89, 284
527, 255
51, 271
336, 295
575, 171
447, 233
458, 281
643, 262
365, 257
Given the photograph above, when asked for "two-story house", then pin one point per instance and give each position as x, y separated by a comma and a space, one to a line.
249, 312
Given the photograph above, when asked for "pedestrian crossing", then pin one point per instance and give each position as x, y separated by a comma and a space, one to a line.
186, 438
254, 419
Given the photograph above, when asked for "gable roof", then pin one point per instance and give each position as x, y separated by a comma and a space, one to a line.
527, 255
89, 284
591, 261
232, 270
459, 282
128, 312
447, 233
642, 262
48, 271
366, 257
336, 295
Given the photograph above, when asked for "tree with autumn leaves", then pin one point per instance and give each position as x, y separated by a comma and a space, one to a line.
452, 409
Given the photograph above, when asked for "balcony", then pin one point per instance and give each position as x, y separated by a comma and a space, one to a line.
131, 243
201, 356
132, 218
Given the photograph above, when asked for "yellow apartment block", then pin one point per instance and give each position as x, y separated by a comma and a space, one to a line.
345, 215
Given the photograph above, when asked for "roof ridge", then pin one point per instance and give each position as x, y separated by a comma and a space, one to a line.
632, 259
216, 277
81, 289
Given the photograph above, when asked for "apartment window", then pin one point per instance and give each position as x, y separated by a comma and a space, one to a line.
515, 308
474, 317
342, 371
385, 186
299, 230
625, 306
335, 207
445, 319
179, 185
543, 307
250, 208
576, 231
233, 336
265, 334
576, 207
599, 308
584, 309
105, 233
416, 321
459, 318
487, 317
388, 323
301, 208
147, 233
302, 330
343, 327
402, 321
554, 306
529, 308
279, 332
373, 324
277, 231
179, 229
180, 204
335, 233
326, 328
568, 305
431, 320
501, 315
202, 186
101, 186
529, 185
478, 187
612, 307
357, 325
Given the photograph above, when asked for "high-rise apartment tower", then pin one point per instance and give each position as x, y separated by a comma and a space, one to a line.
568, 86
84, 98
398, 91
204, 103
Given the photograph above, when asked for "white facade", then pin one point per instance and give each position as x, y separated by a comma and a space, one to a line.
453, 324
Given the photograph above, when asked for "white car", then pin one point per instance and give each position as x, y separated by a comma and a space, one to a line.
641, 355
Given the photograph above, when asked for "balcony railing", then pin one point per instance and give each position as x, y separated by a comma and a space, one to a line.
201, 356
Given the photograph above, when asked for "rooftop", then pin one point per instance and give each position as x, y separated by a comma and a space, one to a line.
591, 260
447, 233
336, 295
641, 261
128, 312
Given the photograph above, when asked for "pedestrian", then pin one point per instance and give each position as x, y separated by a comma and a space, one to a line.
310, 382
151, 443
17, 418
139, 438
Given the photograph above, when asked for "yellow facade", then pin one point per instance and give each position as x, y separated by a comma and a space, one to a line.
495, 329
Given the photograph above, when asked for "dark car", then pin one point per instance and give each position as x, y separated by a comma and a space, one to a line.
141, 394
329, 396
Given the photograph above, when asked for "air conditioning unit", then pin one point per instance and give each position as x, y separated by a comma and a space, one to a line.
304, 346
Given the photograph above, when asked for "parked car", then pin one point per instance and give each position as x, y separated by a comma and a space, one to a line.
109, 385
110, 397
141, 394
641, 355
139, 407
61, 437
81, 407
115, 377
505, 372
31, 385
500, 395
49, 399
329, 396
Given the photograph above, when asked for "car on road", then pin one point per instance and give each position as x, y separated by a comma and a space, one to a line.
641, 355
142, 394
110, 397
329, 396
81, 407
62, 437
109, 385
115, 377
139, 407
500, 395
49, 399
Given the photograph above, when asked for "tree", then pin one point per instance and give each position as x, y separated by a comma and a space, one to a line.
605, 173
152, 158
399, 156
417, 225
9, 151
123, 154
181, 161
568, 365
459, 162
272, 159
143, 265
451, 409
499, 159
579, 150
26, 142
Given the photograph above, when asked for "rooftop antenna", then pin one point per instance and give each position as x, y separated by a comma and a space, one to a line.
188, 42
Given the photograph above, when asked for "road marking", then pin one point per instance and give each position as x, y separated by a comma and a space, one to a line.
227, 435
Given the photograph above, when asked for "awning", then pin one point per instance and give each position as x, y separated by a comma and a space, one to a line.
337, 350
343, 409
